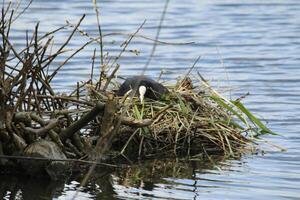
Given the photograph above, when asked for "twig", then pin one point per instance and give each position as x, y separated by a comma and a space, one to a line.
63, 46
76, 126
66, 99
23, 11
61, 160
99, 29
93, 65
120, 54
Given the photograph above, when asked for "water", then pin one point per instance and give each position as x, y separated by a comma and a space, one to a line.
247, 46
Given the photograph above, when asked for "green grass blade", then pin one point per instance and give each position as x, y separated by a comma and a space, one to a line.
222, 103
137, 112
184, 109
256, 121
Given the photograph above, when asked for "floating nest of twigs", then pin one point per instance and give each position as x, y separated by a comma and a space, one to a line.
92, 123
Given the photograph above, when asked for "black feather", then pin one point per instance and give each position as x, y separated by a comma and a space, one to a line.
154, 90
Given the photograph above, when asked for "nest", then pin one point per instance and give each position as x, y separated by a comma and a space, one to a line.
91, 122
189, 120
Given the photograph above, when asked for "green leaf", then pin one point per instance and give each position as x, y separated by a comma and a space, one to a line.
223, 104
137, 112
236, 125
182, 105
256, 121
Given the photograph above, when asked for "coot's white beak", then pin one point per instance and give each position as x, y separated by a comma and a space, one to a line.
142, 92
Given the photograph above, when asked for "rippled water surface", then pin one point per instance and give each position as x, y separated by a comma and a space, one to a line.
244, 45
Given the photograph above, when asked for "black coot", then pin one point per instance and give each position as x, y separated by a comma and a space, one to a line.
154, 90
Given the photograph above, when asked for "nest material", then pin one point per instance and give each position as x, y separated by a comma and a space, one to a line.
186, 120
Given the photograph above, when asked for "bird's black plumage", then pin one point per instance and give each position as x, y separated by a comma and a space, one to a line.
154, 90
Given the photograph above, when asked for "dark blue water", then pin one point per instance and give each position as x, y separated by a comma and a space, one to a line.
245, 46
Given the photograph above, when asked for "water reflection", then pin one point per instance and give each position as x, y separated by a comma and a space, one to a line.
162, 178
12, 187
